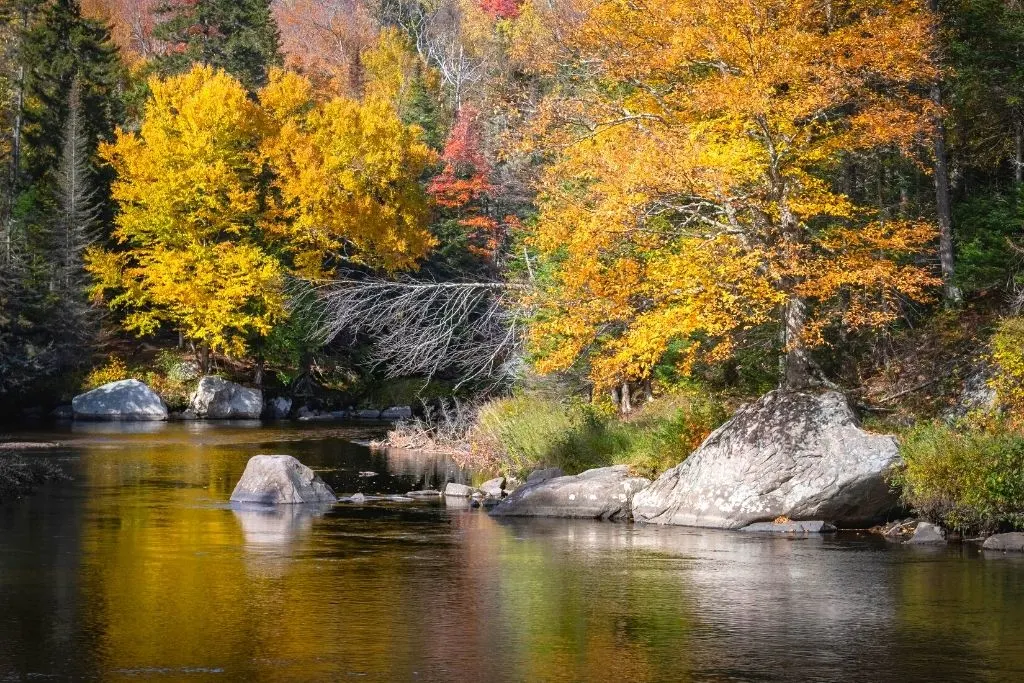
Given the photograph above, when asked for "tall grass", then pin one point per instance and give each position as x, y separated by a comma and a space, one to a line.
968, 477
516, 435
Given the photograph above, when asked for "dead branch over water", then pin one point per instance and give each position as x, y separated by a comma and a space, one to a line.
422, 328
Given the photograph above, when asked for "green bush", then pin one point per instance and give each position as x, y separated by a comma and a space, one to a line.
522, 433
967, 477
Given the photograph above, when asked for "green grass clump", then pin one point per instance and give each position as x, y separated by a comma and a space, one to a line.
519, 434
967, 477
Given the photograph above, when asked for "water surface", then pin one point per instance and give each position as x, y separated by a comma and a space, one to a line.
139, 569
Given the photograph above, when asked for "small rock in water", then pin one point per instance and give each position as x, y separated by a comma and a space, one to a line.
1012, 542
474, 503
927, 533
280, 479
357, 498
367, 474
453, 490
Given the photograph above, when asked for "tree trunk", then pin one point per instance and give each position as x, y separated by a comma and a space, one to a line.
796, 361
626, 404
204, 358
19, 114
943, 206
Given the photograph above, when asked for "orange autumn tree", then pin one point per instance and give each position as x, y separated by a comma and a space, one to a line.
689, 196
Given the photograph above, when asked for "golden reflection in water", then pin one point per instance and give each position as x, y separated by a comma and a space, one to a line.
168, 579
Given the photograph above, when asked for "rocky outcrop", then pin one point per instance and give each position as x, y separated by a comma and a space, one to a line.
800, 455
127, 399
218, 399
1012, 542
280, 480
603, 493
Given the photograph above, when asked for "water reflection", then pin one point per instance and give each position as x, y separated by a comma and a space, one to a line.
140, 568
277, 527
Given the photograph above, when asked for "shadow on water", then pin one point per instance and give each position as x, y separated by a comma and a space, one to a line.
139, 568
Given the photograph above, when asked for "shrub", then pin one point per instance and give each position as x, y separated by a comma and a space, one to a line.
968, 477
1008, 359
113, 370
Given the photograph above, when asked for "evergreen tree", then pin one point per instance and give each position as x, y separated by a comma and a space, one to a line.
72, 232
238, 36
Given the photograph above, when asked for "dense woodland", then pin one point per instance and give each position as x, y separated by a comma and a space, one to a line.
587, 205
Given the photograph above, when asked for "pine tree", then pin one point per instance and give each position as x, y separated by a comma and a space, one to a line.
238, 36
72, 233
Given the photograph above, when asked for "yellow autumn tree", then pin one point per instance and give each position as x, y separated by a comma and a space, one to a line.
221, 196
188, 190
346, 178
690, 193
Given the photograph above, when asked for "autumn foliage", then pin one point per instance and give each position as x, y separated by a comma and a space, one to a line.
691, 194
463, 185
221, 196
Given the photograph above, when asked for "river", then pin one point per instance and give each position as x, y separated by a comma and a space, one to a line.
138, 568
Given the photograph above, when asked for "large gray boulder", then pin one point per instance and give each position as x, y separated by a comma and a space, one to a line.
280, 480
127, 399
800, 455
218, 399
603, 493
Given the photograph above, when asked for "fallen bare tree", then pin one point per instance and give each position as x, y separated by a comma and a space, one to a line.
421, 328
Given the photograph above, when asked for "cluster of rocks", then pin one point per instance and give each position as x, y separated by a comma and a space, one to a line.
791, 462
488, 494
215, 398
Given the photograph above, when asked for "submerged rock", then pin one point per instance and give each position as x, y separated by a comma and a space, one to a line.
800, 455
926, 533
127, 399
603, 493
218, 399
280, 480
807, 527
1012, 542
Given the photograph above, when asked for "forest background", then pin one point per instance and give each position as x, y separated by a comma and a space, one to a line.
574, 232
